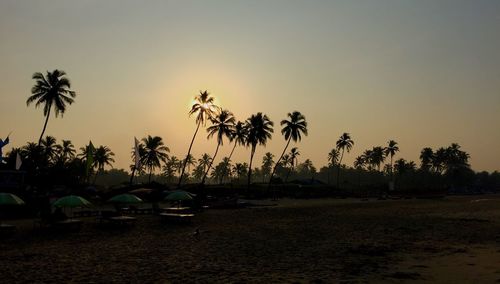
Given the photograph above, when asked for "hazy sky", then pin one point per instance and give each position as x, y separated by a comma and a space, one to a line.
425, 73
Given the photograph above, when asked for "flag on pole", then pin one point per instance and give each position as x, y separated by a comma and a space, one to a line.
137, 154
19, 162
90, 157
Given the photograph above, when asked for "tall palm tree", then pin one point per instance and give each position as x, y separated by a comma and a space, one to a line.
51, 90
294, 154
259, 129
222, 126
102, 157
204, 109
345, 142
391, 150
333, 158
155, 152
292, 130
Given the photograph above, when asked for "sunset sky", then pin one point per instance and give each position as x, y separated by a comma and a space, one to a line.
425, 73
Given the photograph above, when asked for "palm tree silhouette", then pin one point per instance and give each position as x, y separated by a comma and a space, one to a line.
345, 142
102, 157
155, 152
238, 137
259, 129
205, 161
293, 130
66, 151
426, 157
204, 108
333, 157
222, 126
49, 146
391, 150
140, 167
267, 163
294, 154
51, 90
377, 156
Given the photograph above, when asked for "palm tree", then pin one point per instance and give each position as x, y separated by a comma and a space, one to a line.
51, 90
238, 137
267, 163
426, 157
66, 150
345, 142
204, 108
49, 146
294, 154
140, 167
190, 162
391, 150
359, 162
377, 156
293, 130
333, 158
102, 157
155, 152
222, 126
205, 161
259, 129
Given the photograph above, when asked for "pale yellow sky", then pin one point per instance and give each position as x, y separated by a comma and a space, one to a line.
424, 73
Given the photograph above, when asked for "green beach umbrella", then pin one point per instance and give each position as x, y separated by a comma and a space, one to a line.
125, 199
10, 199
72, 201
179, 195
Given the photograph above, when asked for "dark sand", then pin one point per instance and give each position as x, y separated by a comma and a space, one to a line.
453, 240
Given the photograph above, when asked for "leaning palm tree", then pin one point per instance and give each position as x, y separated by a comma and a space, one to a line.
50, 91
345, 142
102, 157
155, 152
333, 158
222, 126
293, 130
204, 108
259, 129
391, 150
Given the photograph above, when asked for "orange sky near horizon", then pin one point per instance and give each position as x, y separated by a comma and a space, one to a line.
422, 73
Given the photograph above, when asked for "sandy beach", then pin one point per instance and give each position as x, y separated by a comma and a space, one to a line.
451, 240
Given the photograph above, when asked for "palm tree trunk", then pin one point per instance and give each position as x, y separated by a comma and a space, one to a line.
277, 162
250, 167
338, 169
189, 152
44, 127
210, 165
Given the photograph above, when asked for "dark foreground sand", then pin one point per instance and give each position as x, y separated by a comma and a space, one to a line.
453, 240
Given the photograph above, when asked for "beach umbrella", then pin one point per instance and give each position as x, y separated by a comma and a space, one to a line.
179, 195
72, 201
10, 199
125, 199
